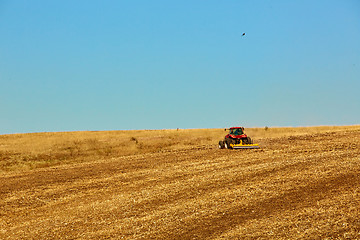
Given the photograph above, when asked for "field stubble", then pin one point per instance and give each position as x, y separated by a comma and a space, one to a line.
168, 184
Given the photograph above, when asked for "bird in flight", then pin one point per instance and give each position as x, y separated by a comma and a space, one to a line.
243, 34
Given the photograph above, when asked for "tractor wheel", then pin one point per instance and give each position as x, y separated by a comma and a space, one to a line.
227, 144
221, 145
247, 140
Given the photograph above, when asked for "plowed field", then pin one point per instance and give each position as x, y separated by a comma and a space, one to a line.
300, 184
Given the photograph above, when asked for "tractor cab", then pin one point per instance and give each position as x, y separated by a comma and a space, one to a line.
236, 132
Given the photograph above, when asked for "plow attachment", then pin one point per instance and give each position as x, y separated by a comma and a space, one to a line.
241, 145
244, 146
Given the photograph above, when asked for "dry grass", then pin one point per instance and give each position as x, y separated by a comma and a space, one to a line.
168, 184
36, 150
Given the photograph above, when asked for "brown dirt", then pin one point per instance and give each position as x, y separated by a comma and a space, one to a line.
296, 186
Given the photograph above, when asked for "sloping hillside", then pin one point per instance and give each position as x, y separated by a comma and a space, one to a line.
168, 184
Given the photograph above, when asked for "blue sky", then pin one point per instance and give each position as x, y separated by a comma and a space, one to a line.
113, 65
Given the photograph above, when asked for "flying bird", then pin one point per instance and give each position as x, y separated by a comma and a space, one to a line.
243, 34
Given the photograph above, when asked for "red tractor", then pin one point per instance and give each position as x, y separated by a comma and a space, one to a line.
237, 139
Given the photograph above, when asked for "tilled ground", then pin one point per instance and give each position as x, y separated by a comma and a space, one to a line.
293, 187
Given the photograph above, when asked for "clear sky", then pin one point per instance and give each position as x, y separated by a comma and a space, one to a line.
115, 64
